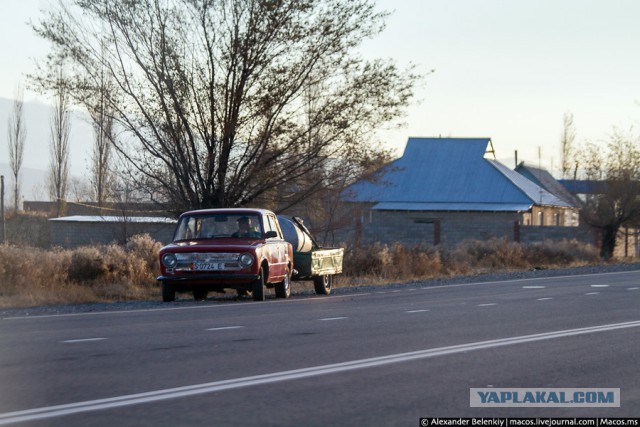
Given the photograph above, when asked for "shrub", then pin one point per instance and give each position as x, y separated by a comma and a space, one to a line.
470, 257
143, 247
87, 264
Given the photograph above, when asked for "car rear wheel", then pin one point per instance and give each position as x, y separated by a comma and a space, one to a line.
258, 287
168, 293
322, 284
283, 289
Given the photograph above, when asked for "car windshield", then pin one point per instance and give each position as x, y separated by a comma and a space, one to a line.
211, 226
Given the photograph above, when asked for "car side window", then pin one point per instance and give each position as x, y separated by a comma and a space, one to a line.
270, 225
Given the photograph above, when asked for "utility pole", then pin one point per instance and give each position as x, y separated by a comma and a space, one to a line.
2, 236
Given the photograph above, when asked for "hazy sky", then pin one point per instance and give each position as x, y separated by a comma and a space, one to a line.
506, 69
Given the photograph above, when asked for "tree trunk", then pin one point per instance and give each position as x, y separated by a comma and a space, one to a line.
609, 234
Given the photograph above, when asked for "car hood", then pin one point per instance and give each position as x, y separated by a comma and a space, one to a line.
214, 245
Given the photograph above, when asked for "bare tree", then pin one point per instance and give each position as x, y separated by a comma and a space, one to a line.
60, 130
102, 119
617, 169
17, 136
218, 103
567, 155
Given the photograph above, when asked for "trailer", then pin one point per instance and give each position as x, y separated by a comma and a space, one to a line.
311, 261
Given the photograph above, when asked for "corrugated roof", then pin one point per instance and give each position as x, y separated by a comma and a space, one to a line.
448, 172
544, 179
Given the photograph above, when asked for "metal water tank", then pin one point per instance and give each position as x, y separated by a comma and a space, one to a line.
300, 241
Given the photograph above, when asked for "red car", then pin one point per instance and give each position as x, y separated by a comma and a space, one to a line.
217, 249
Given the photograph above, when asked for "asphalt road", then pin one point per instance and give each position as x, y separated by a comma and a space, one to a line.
378, 358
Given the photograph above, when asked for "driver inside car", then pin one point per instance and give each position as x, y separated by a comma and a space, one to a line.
244, 229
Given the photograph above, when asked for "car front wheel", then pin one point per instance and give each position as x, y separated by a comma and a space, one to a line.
283, 289
258, 287
168, 293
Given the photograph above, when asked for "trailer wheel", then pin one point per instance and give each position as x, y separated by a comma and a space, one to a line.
168, 292
258, 287
283, 289
322, 284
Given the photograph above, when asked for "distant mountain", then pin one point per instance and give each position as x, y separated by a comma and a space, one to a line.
37, 118
33, 184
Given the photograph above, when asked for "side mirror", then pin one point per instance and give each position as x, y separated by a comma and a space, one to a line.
270, 234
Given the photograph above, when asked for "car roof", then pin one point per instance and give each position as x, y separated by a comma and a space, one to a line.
230, 211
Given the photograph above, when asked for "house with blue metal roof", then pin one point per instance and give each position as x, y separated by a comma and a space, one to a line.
445, 190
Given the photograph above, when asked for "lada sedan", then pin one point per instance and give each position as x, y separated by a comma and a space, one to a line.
218, 249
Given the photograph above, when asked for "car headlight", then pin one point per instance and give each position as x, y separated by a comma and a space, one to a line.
169, 260
246, 260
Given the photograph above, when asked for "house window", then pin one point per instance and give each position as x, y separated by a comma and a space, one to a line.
540, 218
556, 219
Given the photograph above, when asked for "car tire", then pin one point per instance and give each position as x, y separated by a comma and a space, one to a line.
258, 287
168, 292
283, 289
322, 284
200, 294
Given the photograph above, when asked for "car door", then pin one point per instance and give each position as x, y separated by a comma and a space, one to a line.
276, 250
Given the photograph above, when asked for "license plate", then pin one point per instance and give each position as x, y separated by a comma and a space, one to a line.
208, 266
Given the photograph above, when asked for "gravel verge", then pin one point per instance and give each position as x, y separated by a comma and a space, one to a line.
185, 300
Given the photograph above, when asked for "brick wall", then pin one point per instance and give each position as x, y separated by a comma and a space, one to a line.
529, 234
73, 233
451, 228
446, 228
628, 242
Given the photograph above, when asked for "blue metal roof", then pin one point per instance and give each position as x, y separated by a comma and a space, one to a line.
449, 174
493, 207
585, 186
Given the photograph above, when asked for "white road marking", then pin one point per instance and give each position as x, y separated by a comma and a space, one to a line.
592, 293
534, 287
416, 311
487, 304
83, 340
599, 286
223, 328
216, 386
632, 289
544, 299
332, 318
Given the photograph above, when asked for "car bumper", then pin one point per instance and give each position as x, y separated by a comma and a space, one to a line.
228, 278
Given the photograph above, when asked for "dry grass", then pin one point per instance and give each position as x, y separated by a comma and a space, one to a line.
386, 263
33, 276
